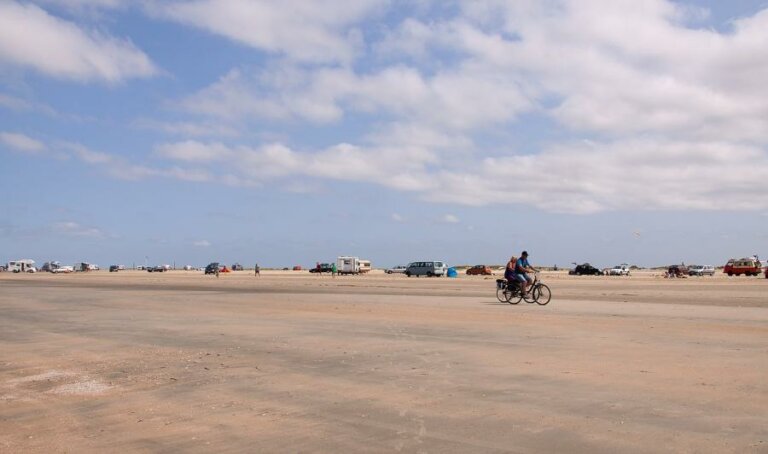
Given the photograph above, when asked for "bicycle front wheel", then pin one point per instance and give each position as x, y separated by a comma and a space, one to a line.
542, 294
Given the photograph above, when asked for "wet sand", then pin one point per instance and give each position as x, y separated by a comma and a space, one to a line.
291, 362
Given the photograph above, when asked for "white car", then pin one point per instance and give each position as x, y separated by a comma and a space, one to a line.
619, 270
63, 269
398, 269
701, 270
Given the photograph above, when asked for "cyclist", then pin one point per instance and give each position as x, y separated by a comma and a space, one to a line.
522, 268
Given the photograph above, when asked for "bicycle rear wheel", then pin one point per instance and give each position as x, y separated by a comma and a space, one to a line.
501, 295
542, 294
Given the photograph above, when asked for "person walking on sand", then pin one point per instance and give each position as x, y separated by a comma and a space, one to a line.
257, 270
333, 270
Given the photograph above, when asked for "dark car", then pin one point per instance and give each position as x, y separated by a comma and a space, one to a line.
114, 268
678, 270
322, 268
585, 269
212, 268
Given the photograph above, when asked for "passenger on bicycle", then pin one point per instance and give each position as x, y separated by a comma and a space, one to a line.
522, 268
509, 271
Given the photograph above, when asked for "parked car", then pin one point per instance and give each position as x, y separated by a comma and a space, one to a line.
433, 268
766, 272
397, 269
481, 270
322, 268
678, 270
585, 269
63, 269
212, 268
619, 270
114, 268
237, 267
749, 266
701, 270
297, 268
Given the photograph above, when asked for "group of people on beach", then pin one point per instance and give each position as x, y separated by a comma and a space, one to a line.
517, 270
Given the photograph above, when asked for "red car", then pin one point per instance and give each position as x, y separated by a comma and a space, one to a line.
747, 266
480, 270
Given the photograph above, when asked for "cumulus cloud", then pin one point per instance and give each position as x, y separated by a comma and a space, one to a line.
620, 175
32, 38
317, 31
21, 142
634, 106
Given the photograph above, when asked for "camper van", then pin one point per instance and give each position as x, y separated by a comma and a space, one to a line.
352, 265
22, 266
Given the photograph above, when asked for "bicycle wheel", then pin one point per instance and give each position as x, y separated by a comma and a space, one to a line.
501, 295
513, 296
530, 297
542, 294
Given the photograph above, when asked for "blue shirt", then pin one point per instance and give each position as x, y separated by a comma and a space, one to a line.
521, 264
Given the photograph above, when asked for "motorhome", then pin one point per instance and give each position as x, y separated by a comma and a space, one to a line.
22, 266
352, 265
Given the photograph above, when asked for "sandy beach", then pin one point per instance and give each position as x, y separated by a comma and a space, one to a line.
292, 362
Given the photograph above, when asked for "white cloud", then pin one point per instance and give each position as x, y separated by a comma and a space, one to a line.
399, 168
316, 31
397, 217
636, 107
74, 229
21, 142
202, 243
30, 37
187, 128
624, 175
450, 219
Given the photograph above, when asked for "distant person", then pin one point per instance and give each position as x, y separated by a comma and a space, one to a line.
522, 268
217, 271
256, 270
333, 270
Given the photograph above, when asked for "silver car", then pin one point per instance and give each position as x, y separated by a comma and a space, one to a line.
701, 270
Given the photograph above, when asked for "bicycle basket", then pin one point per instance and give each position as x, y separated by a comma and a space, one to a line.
501, 283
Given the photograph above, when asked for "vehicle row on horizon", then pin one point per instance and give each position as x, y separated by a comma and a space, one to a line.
747, 266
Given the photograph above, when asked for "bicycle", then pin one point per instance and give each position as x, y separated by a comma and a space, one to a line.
507, 292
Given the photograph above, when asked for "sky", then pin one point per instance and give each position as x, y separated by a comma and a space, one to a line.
291, 132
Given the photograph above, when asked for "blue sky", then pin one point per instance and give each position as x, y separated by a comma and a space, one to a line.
290, 132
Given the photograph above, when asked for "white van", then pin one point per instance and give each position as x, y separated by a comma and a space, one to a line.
432, 268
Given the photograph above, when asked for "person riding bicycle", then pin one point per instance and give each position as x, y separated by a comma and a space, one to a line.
522, 268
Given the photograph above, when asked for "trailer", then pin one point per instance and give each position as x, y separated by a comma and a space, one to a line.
352, 265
